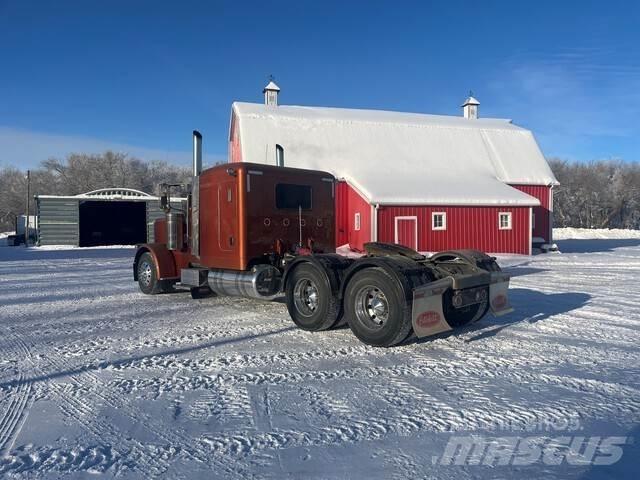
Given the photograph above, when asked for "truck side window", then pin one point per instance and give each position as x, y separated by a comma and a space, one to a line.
289, 196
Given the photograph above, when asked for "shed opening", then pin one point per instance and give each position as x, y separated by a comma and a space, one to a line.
112, 223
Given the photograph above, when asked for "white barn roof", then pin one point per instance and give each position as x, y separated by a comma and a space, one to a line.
400, 158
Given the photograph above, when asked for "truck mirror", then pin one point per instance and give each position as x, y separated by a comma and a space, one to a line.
164, 201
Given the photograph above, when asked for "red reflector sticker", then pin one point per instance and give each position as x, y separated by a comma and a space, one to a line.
428, 319
499, 302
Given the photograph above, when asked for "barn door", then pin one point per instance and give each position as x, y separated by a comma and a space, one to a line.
407, 232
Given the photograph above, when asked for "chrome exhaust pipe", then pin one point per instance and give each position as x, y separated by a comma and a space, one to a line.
194, 233
197, 153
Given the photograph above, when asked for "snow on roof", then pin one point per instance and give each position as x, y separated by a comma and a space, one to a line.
272, 86
116, 193
400, 158
470, 101
84, 196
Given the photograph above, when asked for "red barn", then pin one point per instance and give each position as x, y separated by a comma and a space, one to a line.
430, 182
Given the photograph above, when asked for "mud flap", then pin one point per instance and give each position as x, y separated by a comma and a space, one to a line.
427, 315
499, 294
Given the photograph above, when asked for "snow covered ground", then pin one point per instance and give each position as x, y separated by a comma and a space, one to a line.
3, 238
594, 233
96, 378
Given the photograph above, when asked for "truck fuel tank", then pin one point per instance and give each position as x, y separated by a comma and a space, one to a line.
262, 281
175, 230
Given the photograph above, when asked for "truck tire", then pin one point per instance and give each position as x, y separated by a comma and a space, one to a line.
310, 301
147, 277
377, 309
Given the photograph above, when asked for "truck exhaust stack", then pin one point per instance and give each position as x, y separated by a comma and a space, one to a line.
197, 153
194, 225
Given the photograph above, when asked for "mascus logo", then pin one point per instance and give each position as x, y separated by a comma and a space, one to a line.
428, 319
499, 302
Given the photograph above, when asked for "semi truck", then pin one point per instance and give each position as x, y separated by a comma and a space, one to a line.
263, 231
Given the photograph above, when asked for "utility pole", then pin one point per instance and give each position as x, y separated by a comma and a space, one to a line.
26, 226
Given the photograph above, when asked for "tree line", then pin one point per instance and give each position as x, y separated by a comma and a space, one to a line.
81, 173
597, 194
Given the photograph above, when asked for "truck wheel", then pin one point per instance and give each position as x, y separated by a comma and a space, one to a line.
147, 279
377, 309
310, 301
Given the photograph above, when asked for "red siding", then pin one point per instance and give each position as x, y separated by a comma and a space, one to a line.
467, 227
542, 213
348, 203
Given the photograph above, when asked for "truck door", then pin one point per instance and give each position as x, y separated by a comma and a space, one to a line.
228, 216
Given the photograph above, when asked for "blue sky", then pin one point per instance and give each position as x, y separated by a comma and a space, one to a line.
138, 76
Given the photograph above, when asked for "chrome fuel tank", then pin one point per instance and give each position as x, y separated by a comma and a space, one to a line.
262, 281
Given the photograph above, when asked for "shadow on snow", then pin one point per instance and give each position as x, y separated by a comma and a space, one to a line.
13, 254
595, 245
530, 306
116, 363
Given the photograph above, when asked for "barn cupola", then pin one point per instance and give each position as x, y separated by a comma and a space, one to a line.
470, 107
271, 93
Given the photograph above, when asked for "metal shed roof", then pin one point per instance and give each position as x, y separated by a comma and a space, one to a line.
128, 194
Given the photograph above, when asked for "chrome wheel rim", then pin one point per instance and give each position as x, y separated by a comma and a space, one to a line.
372, 307
144, 273
306, 297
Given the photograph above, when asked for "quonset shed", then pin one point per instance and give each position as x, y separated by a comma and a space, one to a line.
430, 182
109, 216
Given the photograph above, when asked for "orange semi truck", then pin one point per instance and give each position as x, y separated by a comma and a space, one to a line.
258, 231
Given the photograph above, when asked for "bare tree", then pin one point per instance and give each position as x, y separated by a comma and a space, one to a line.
598, 194
80, 173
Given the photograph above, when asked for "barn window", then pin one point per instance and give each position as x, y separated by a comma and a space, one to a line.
533, 220
439, 221
356, 221
279, 156
504, 220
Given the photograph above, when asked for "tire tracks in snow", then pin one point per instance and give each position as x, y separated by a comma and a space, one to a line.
137, 343
190, 447
244, 360
402, 418
73, 408
147, 459
20, 401
627, 398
